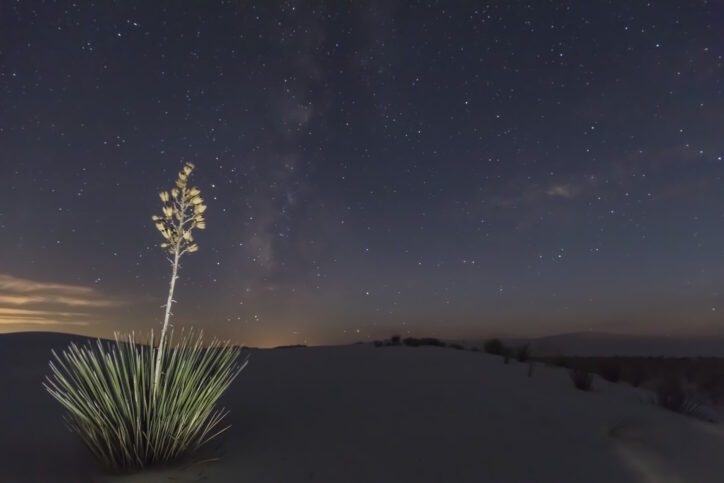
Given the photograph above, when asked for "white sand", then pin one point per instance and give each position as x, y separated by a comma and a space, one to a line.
394, 414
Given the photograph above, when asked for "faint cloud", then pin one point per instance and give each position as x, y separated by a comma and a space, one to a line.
12, 316
23, 285
563, 191
25, 302
23, 299
518, 195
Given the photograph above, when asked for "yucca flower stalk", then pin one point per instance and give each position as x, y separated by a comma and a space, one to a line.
182, 212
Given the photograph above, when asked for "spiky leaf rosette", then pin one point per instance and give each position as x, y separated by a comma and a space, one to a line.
182, 211
107, 392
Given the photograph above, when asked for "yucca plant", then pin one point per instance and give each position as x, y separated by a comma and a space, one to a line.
127, 421
137, 404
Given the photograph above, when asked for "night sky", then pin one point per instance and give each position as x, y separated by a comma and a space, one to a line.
450, 169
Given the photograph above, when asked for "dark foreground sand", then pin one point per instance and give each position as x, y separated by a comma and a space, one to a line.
397, 414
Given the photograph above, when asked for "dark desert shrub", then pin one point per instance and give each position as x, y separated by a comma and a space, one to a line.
433, 341
610, 371
559, 360
582, 379
378, 343
713, 385
522, 353
495, 347
671, 395
636, 375
395, 340
415, 342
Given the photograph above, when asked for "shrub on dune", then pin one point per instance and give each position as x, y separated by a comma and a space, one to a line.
670, 394
582, 379
495, 347
636, 375
611, 371
559, 360
111, 402
415, 342
522, 353
713, 385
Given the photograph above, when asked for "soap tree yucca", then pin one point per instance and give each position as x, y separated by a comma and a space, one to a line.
137, 404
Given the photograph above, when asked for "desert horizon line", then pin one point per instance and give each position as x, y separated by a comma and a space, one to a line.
421, 335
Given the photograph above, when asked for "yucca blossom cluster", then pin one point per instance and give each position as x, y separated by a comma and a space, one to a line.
183, 210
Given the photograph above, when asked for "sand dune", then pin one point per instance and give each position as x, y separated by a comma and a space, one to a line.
393, 414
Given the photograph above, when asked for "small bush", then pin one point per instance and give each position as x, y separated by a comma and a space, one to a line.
611, 371
636, 376
582, 379
378, 343
713, 385
415, 342
495, 347
395, 340
108, 393
560, 361
522, 353
671, 395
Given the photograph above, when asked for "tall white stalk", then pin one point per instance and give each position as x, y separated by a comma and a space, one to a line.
182, 212
166, 317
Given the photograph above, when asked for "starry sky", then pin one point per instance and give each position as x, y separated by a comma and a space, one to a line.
451, 169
